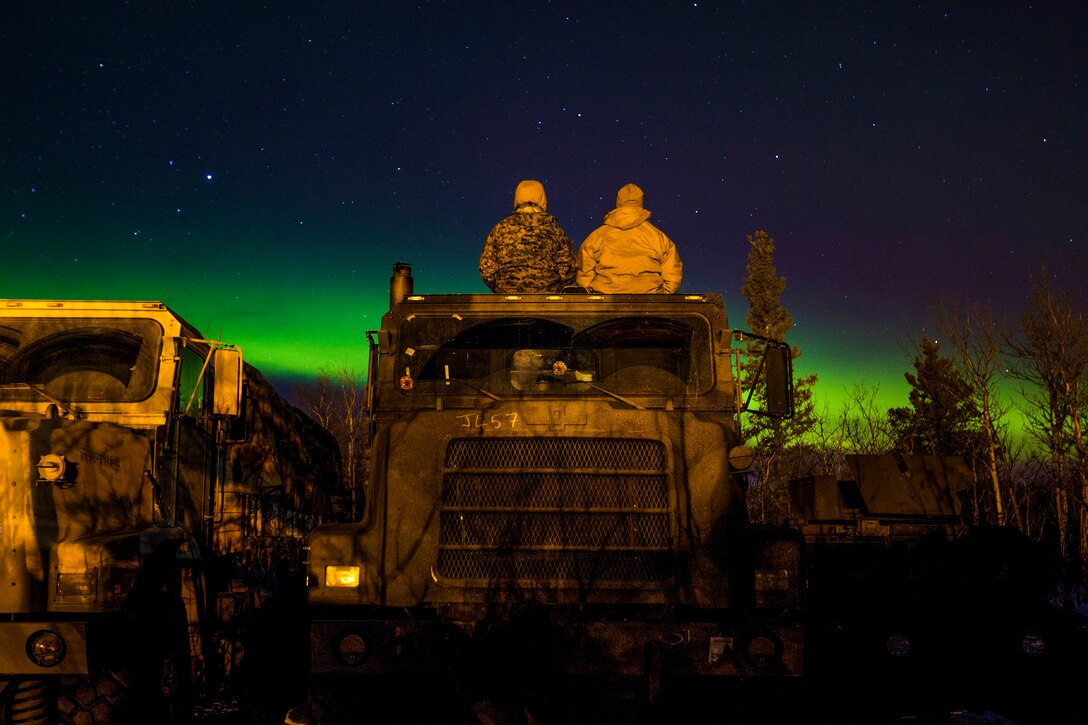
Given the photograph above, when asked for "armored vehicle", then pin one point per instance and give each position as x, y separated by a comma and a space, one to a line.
552, 520
914, 612
154, 491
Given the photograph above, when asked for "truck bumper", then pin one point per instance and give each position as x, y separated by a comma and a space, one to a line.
602, 648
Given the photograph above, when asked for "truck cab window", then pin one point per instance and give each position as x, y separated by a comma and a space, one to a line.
539, 356
537, 369
9, 344
644, 355
468, 354
80, 362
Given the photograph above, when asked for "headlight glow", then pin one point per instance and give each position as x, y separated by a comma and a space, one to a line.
342, 575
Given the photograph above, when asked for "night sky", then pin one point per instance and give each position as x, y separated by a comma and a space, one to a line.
260, 167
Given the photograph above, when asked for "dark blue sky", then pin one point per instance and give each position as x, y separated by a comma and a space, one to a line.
260, 166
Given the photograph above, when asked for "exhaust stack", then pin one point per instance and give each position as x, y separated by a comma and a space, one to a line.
400, 284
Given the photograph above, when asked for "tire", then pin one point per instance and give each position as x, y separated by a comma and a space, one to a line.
94, 699
152, 686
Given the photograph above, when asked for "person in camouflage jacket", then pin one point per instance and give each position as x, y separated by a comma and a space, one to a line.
528, 251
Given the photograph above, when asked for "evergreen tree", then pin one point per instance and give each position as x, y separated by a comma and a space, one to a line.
942, 418
763, 289
780, 445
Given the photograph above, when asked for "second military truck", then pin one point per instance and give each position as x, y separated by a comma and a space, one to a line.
155, 493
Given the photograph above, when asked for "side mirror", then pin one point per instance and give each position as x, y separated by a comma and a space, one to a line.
773, 378
227, 389
778, 370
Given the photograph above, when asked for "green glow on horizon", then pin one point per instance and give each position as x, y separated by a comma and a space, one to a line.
836, 383
296, 315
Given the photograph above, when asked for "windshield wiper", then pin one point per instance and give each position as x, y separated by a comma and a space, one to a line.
617, 396
475, 387
64, 408
552, 378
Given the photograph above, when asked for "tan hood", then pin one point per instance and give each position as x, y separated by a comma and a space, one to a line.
628, 213
629, 195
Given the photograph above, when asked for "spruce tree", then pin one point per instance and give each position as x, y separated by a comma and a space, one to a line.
942, 418
763, 289
779, 444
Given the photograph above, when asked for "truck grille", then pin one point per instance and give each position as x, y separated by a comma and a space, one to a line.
560, 511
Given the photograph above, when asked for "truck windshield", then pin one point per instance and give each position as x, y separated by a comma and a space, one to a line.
561, 355
79, 360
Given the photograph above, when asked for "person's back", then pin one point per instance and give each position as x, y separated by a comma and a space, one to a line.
628, 254
528, 251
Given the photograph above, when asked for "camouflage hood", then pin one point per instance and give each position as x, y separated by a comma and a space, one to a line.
530, 192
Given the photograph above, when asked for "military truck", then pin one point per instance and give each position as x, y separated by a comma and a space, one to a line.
155, 492
553, 523
915, 612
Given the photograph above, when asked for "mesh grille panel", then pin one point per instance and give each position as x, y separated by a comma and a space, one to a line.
586, 529
554, 566
565, 454
556, 510
554, 490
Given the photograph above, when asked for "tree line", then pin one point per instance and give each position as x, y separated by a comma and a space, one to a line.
966, 387
336, 399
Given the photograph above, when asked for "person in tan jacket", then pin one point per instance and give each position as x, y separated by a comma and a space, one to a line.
628, 254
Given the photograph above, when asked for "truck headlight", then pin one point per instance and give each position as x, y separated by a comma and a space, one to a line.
763, 649
46, 648
897, 645
341, 575
1033, 644
351, 648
